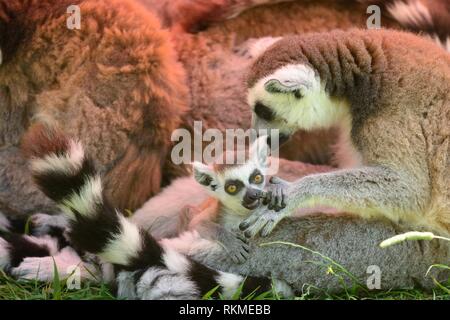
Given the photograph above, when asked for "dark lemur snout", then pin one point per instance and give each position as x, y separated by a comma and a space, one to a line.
262, 118
251, 198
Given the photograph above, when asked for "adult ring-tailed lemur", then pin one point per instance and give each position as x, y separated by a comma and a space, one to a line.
388, 94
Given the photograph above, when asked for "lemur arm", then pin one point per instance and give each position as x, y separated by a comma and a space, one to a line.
207, 211
204, 223
365, 191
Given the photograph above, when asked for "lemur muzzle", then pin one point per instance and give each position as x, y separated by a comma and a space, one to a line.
251, 198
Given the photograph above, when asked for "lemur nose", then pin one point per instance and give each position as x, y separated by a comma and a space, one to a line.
252, 195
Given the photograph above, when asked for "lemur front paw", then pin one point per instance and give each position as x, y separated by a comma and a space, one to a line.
275, 196
236, 246
262, 221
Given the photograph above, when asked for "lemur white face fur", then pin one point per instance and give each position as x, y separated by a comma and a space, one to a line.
292, 98
237, 186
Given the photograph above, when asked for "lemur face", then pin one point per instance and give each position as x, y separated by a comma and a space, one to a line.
237, 186
292, 98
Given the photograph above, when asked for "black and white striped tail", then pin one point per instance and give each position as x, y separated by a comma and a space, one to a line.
427, 17
145, 269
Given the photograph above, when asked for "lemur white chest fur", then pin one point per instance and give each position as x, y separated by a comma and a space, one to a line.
231, 218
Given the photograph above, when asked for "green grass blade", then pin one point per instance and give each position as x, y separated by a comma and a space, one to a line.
209, 294
56, 284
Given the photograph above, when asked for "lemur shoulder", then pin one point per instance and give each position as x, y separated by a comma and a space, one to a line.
388, 93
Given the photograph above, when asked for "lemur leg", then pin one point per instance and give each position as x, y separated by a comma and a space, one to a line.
200, 235
235, 244
367, 191
202, 221
34, 257
67, 262
14, 248
39, 225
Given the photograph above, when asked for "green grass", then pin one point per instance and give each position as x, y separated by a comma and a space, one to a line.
11, 289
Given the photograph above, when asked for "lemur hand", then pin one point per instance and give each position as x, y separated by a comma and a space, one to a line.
264, 220
235, 244
275, 196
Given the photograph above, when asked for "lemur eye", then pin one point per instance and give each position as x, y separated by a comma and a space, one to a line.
233, 186
256, 177
264, 112
231, 189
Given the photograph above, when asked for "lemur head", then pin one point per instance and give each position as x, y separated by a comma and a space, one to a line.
287, 93
237, 186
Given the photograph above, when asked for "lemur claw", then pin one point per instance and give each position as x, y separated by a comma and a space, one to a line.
262, 223
275, 198
236, 246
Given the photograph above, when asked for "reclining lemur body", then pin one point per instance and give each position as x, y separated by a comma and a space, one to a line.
388, 94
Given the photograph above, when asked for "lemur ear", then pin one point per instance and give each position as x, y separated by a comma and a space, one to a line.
276, 86
204, 174
259, 151
294, 79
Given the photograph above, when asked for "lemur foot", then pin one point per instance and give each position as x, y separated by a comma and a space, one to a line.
42, 268
236, 246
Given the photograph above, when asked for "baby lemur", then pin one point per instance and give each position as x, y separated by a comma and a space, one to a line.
233, 191
145, 268
388, 93
210, 205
